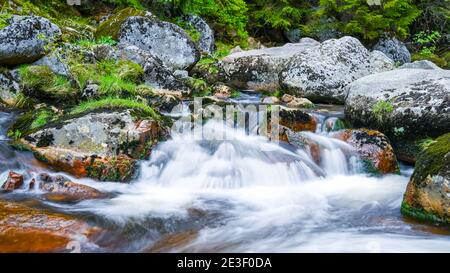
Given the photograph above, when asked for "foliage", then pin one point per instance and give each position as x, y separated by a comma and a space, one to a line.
369, 21
277, 14
111, 26
4, 17
228, 17
103, 40
427, 41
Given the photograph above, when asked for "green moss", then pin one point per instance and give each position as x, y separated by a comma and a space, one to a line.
40, 82
421, 215
90, 43
4, 20
116, 103
200, 87
115, 169
30, 122
111, 26
381, 110
431, 160
441, 62
41, 119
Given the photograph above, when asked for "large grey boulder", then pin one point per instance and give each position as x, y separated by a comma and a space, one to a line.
321, 72
164, 40
422, 64
394, 49
156, 73
206, 40
411, 102
258, 69
25, 39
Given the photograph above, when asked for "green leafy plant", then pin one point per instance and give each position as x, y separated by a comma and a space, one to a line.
427, 41
368, 20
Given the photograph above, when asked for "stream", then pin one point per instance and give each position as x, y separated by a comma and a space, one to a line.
245, 194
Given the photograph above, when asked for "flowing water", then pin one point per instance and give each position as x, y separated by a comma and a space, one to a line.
246, 194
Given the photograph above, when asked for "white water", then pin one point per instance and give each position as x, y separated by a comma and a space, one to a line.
269, 198
257, 196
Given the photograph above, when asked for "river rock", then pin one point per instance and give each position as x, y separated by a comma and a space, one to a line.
297, 120
206, 41
422, 64
373, 147
222, 91
102, 146
295, 102
164, 40
14, 181
321, 73
25, 38
156, 73
427, 195
25, 229
406, 104
258, 69
59, 188
394, 49
9, 88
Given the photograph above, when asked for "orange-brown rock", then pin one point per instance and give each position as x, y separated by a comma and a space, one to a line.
25, 229
59, 188
297, 120
14, 181
373, 147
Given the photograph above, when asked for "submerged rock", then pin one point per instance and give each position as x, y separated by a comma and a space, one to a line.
164, 40
373, 147
102, 146
394, 49
406, 104
59, 188
427, 196
259, 69
25, 229
321, 73
14, 181
25, 39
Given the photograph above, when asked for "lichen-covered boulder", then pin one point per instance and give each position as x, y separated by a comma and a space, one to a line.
427, 196
373, 147
26, 229
406, 104
321, 73
9, 88
258, 69
206, 40
394, 49
164, 40
25, 39
422, 64
156, 73
102, 145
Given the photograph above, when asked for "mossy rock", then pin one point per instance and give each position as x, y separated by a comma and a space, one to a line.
427, 194
111, 26
441, 62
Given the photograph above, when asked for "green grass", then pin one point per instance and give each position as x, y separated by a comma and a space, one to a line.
381, 109
89, 43
42, 118
115, 103
4, 17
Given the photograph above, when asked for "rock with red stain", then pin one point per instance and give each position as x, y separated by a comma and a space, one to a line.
26, 229
59, 188
14, 181
374, 149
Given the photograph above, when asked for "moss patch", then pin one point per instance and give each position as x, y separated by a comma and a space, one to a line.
432, 158
421, 214
111, 26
